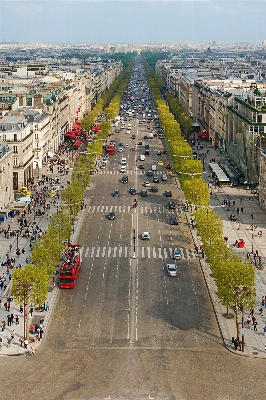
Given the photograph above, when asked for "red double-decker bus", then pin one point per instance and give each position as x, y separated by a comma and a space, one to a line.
69, 270
110, 149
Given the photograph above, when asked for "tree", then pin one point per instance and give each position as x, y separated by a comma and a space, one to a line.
196, 191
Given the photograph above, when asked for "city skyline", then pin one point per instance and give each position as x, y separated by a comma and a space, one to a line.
143, 22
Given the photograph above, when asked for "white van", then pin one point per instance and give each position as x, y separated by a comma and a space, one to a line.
153, 167
142, 157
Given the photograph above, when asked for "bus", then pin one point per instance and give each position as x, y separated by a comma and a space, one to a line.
110, 149
69, 270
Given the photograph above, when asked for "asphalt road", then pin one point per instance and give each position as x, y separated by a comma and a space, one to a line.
128, 330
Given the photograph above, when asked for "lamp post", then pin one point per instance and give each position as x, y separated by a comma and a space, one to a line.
24, 290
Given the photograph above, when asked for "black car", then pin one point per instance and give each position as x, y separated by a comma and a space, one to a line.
158, 153
154, 189
147, 152
116, 193
121, 144
139, 143
168, 193
132, 191
143, 193
111, 215
173, 221
156, 179
141, 166
124, 179
165, 152
145, 137
149, 173
171, 205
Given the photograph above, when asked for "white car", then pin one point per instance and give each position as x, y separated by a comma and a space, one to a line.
147, 184
123, 161
171, 269
128, 132
120, 150
123, 169
145, 235
126, 145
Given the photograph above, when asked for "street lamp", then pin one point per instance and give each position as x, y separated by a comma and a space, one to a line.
24, 290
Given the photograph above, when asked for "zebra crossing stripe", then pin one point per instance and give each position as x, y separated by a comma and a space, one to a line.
115, 250
171, 252
143, 252
103, 253
188, 256
115, 208
109, 251
154, 252
125, 251
120, 251
182, 254
149, 252
86, 252
92, 251
98, 252
160, 252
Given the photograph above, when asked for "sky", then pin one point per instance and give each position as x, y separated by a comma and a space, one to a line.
148, 21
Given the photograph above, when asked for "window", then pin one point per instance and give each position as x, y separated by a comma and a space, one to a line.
4, 138
15, 149
37, 145
15, 161
36, 136
15, 137
259, 118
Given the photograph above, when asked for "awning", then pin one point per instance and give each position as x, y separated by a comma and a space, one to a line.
50, 154
221, 176
203, 134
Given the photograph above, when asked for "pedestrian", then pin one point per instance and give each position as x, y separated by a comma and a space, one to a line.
251, 215
31, 311
257, 253
12, 318
196, 249
8, 320
264, 330
3, 325
41, 332
17, 319
23, 251
21, 340
261, 311
255, 325
242, 209
9, 340
26, 342
235, 343
12, 334
240, 345
47, 306
21, 308
5, 305
8, 307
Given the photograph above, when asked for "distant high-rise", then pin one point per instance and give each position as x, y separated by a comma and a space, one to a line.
214, 43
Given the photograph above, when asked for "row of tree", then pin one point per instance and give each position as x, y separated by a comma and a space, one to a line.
235, 279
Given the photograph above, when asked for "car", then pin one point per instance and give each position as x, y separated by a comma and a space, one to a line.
165, 152
176, 254
148, 127
160, 162
116, 193
139, 143
120, 150
171, 269
154, 189
123, 161
150, 173
133, 137
141, 166
171, 205
160, 136
168, 193
128, 132
124, 179
168, 166
164, 177
147, 152
158, 153
145, 137
111, 215
132, 191
173, 220
132, 149
147, 184
155, 179
121, 144
103, 165
143, 193
123, 169
145, 235
126, 145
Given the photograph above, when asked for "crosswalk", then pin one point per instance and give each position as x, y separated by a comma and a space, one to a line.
128, 172
128, 209
141, 252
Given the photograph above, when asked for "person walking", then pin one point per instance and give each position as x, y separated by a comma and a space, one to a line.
17, 319
264, 330
47, 306
251, 215
9, 320
255, 326
236, 343
3, 325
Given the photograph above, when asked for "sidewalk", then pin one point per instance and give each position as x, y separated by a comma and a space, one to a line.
23, 242
255, 342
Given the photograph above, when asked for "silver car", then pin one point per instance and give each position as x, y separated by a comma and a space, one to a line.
176, 254
171, 269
